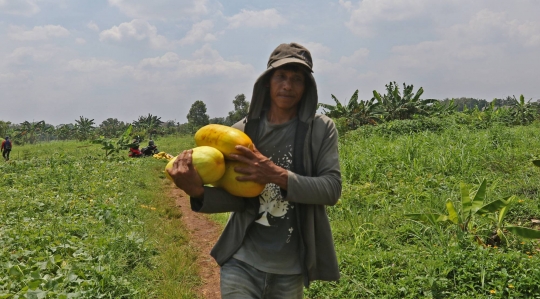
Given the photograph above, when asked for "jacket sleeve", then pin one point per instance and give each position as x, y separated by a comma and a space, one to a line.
217, 200
324, 187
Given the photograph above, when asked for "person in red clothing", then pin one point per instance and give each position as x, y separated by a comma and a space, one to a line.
6, 148
134, 151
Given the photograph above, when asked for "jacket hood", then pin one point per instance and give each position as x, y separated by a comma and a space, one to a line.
285, 54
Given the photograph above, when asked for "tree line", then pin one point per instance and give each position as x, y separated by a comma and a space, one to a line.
393, 104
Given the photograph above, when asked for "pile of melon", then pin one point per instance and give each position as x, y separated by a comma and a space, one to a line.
210, 159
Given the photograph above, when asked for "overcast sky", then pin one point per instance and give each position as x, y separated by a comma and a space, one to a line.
61, 59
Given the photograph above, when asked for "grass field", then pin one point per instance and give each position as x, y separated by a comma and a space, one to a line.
74, 223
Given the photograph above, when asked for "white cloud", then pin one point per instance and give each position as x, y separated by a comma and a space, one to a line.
488, 26
19, 7
136, 30
317, 50
25, 55
161, 9
92, 25
369, 12
199, 32
37, 33
268, 18
204, 62
169, 60
346, 4
80, 41
91, 65
358, 57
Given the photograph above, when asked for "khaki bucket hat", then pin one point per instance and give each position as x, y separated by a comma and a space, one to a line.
290, 53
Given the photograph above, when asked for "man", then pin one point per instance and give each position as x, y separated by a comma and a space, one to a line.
6, 148
277, 242
151, 149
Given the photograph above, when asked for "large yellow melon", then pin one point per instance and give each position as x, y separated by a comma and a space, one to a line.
223, 138
208, 162
230, 184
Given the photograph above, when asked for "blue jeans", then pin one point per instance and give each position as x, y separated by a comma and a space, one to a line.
241, 281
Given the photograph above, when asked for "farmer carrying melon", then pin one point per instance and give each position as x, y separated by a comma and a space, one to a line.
279, 241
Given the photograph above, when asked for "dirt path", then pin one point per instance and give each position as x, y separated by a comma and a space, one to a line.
203, 234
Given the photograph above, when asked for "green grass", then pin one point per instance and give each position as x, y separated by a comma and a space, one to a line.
73, 223
384, 255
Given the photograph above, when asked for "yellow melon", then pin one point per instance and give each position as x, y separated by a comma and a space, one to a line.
208, 162
223, 138
239, 188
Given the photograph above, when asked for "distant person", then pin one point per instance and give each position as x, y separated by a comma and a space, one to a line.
279, 241
134, 151
151, 149
6, 148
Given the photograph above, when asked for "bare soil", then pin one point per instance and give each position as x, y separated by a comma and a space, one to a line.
203, 234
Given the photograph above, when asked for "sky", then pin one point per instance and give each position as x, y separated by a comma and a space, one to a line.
99, 59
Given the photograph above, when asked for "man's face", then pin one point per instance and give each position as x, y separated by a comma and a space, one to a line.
286, 88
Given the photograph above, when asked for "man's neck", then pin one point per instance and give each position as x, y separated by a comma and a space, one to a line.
277, 117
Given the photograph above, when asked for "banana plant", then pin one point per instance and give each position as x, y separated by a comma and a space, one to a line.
398, 106
472, 206
111, 147
522, 112
356, 112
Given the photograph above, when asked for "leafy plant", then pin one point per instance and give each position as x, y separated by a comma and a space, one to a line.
522, 112
354, 112
83, 128
111, 147
404, 106
474, 206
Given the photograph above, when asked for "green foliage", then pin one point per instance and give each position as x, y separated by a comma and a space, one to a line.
397, 106
122, 144
197, 116
383, 255
148, 125
354, 113
74, 225
474, 206
240, 111
28, 132
84, 128
522, 112
112, 128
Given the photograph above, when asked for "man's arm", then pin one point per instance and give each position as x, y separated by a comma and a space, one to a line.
323, 188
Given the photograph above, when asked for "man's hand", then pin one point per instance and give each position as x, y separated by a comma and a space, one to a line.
185, 176
259, 168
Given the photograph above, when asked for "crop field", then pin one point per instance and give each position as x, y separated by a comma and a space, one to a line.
77, 224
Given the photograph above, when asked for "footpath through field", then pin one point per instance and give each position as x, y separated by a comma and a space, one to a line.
203, 234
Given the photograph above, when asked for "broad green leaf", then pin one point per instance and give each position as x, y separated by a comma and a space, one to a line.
34, 284
524, 232
504, 210
465, 199
377, 96
478, 200
536, 163
492, 207
452, 214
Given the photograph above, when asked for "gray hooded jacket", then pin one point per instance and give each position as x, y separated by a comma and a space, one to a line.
313, 182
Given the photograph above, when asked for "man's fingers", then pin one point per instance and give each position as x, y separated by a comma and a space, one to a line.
243, 170
244, 150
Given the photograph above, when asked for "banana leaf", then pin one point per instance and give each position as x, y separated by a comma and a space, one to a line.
524, 232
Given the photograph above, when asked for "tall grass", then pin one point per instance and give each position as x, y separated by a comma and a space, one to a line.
383, 255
